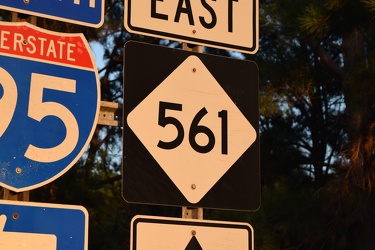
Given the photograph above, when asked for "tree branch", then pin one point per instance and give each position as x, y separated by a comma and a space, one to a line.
326, 59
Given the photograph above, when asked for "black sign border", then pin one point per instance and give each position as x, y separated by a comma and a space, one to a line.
144, 181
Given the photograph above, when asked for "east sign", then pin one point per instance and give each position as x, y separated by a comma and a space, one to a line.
49, 103
228, 24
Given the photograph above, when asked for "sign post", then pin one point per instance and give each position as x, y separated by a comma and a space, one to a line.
50, 99
189, 212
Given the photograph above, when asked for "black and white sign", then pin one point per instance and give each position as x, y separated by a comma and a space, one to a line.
160, 233
230, 24
191, 130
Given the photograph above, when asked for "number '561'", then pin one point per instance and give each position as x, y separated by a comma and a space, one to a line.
37, 110
194, 130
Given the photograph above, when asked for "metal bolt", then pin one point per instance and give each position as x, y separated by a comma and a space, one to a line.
26, 1
194, 70
194, 31
193, 232
24, 41
15, 216
18, 170
193, 186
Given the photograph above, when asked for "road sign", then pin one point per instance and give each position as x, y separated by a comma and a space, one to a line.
49, 104
230, 24
42, 226
84, 12
160, 233
191, 130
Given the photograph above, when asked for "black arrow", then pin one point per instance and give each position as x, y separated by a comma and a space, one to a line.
193, 244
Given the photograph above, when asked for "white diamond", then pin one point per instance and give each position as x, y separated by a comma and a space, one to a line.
193, 86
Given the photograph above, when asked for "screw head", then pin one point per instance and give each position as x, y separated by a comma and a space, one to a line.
15, 216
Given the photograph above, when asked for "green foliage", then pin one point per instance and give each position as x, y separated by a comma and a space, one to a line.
325, 86
313, 21
369, 4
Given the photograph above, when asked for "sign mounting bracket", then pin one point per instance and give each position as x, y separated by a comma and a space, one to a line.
110, 114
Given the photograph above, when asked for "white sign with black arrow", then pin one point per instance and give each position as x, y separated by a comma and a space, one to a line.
161, 233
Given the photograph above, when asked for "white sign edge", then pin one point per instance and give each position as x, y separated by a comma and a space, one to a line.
193, 221
208, 43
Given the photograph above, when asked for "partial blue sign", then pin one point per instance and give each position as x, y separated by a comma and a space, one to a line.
42, 226
49, 104
84, 12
